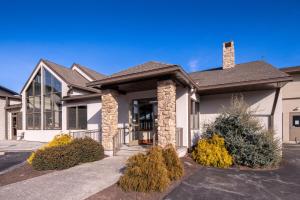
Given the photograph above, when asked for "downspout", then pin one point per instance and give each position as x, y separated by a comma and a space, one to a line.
6, 118
189, 120
274, 107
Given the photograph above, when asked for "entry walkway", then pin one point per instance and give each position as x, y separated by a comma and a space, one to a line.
76, 183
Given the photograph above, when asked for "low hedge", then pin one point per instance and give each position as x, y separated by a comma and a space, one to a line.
69, 155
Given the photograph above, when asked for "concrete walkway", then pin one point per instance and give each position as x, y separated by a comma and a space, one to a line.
76, 183
18, 145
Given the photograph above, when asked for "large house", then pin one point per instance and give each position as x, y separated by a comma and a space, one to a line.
150, 103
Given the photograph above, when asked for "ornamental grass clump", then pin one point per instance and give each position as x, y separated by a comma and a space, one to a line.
212, 152
245, 138
58, 140
146, 173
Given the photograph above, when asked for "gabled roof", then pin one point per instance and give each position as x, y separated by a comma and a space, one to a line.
245, 73
91, 73
291, 70
145, 71
8, 91
71, 77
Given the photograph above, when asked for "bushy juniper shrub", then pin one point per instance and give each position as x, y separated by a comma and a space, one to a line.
245, 139
173, 163
68, 155
58, 140
212, 152
146, 173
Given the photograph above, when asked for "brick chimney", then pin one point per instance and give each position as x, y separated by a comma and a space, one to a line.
228, 55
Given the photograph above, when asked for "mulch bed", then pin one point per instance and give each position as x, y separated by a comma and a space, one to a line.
115, 192
19, 174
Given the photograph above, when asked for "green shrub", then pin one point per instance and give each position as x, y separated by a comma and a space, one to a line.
145, 173
245, 139
212, 152
68, 155
88, 150
173, 163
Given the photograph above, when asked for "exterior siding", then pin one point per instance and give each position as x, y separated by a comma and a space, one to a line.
2, 118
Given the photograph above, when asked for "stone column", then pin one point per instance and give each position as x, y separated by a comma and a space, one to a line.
109, 122
166, 96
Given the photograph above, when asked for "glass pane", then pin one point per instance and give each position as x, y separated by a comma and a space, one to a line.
57, 120
56, 85
72, 117
296, 121
47, 103
37, 85
29, 121
30, 101
37, 104
47, 81
37, 121
56, 102
29, 91
82, 117
48, 120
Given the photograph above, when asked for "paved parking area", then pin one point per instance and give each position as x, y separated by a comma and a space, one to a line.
10, 159
231, 184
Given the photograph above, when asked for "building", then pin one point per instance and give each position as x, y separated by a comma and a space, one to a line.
151, 102
10, 103
291, 106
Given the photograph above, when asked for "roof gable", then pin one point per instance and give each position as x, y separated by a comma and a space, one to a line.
89, 72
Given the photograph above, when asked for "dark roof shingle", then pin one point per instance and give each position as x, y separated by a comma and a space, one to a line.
245, 72
91, 73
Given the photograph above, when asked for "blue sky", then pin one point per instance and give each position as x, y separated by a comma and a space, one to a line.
111, 35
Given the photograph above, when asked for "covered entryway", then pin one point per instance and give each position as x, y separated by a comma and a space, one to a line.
294, 126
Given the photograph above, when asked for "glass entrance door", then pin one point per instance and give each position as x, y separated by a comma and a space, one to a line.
144, 118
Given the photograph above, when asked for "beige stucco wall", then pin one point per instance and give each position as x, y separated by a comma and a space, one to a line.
290, 102
182, 113
260, 101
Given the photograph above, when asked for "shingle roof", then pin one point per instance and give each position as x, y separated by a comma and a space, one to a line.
245, 72
91, 73
148, 66
68, 75
7, 91
294, 69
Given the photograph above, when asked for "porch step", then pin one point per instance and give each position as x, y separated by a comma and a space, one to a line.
126, 150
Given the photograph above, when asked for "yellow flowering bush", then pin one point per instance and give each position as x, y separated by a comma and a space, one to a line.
58, 140
212, 152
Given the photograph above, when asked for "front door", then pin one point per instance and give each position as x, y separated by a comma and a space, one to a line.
14, 126
295, 126
144, 117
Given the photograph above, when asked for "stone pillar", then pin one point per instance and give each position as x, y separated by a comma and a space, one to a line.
166, 96
109, 122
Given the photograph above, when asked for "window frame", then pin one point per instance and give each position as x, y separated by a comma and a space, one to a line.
195, 115
76, 117
34, 113
51, 96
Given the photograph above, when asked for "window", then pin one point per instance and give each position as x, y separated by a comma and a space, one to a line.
52, 102
296, 120
194, 115
77, 117
33, 104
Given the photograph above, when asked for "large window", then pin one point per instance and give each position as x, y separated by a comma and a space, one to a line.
194, 115
77, 117
52, 102
33, 104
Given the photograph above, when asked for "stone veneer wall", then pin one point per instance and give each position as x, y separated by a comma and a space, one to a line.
166, 96
109, 118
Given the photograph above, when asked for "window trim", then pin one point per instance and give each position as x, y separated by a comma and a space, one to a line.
33, 112
76, 117
51, 94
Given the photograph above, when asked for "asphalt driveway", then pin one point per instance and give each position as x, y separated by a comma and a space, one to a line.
231, 184
10, 159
